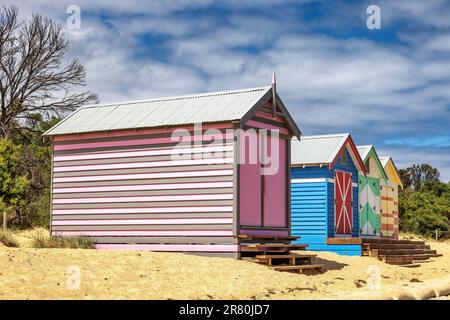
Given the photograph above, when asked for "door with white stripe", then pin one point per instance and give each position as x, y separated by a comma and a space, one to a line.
343, 203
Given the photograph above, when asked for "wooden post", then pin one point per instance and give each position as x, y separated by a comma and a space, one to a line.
4, 221
437, 234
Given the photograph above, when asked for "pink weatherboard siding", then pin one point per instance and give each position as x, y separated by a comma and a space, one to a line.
270, 117
145, 176
141, 222
144, 210
95, 233
176, 186
113, 199
95, 177
136, 142
170, 247
151, 164
262, 125
157, 152
137, 132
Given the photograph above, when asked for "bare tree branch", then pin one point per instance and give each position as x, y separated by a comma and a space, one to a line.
34, 77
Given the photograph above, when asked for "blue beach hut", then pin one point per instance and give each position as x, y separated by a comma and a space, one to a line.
324, 193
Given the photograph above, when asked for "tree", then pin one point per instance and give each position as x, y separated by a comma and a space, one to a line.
33, 76
424, 211
405, 177
415, 176
13, 184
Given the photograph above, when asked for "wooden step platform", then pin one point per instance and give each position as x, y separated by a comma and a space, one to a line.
272, 247
396, 259
263, 237
398, 252
300, 269
425, 256
396, 246
291, 259
391, 241
272, 252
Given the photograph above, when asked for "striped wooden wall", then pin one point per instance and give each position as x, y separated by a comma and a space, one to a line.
389, 207
124, 187
263, 201
312, 206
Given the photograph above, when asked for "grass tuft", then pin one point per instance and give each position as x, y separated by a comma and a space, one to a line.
8, 240
42, 241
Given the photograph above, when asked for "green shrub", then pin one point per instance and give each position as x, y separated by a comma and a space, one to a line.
37, 212
8, 240
425, 211
42, 241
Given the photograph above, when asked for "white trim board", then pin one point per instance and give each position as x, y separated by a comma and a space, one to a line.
311, 180
315, 180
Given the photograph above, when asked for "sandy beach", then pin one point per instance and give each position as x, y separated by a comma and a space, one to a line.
28, 273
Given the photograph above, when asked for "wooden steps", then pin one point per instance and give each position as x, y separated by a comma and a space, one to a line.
300, 269
291, 259
397, 246
396, 259
396, 252
392, 241
406, 253
275, 253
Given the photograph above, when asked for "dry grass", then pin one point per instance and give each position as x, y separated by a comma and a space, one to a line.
41, 240
8, 240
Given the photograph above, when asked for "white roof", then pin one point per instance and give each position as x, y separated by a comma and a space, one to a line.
384, 160
317, 149
198, 108
364, 151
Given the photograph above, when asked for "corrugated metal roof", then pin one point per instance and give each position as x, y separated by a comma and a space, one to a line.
316, 149
384, 160
180, 110
364, 151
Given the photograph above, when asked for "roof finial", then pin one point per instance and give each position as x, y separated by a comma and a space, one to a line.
274, 95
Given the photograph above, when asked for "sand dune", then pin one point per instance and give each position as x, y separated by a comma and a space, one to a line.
27, 273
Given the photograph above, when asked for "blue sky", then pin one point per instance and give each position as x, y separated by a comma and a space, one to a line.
388, 87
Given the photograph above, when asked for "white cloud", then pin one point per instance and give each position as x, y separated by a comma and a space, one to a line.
375, 90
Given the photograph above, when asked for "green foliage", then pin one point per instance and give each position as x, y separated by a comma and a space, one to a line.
425, 210
25, 169
13, 184
42, 241
37, 213
8, 240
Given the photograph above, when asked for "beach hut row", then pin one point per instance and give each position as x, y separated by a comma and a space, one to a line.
195, 173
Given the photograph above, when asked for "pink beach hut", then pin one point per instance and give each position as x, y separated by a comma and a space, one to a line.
183, 174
